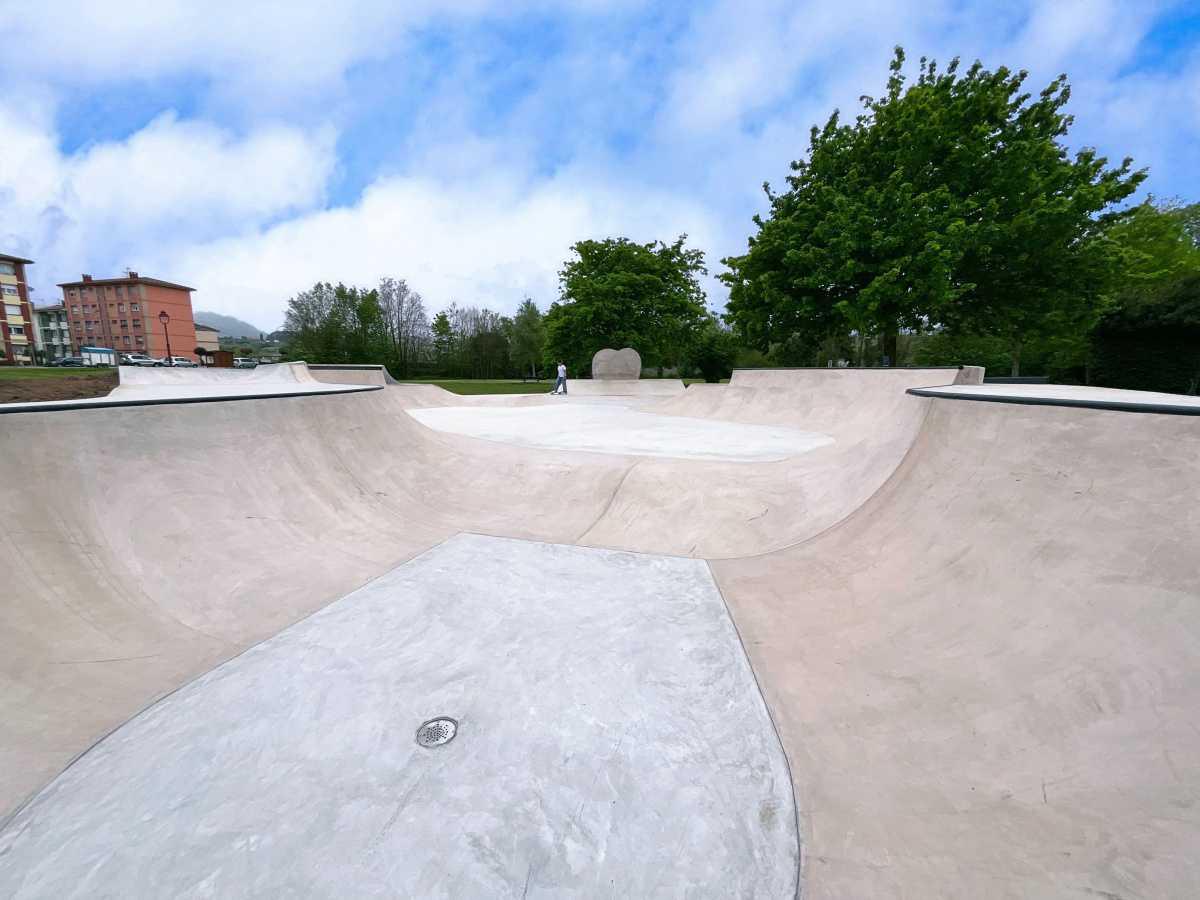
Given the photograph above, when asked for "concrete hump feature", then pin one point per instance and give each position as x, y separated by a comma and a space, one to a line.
617, 365
972, 611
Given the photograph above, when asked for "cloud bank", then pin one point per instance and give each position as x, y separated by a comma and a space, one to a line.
252, 149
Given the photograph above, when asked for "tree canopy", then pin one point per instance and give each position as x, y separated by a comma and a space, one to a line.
948, 202
618, 293
527, 338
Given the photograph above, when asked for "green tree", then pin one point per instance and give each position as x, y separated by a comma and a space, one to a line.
617, 293
528, 336
443, 341
1149, 335
951, 201
1159, 245
714, 351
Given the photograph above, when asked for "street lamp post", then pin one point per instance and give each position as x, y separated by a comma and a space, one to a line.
164, 318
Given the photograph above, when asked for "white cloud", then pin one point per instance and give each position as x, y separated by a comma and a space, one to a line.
248, 51
486, 241
604, 127
171, 183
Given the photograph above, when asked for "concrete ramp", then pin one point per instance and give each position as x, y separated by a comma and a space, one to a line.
974, 618
146, 386
986, 677
617, 387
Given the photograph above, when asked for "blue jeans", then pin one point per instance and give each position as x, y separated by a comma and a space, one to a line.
561, 383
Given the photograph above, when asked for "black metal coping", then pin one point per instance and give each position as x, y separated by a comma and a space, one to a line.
1149, 406
102, 403
359, 366
845, 368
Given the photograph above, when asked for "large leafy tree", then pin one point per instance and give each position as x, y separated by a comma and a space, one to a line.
1149, 335
618, 293
950, 201
527, 336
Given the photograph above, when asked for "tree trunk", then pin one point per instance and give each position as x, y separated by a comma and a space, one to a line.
891, 342
1016, 360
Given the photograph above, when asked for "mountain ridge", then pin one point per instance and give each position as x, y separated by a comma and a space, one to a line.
229, 326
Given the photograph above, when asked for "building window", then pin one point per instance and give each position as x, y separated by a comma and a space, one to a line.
74, 310
13, 312
7, 268
135, 307
120, 306
125, 338
120, 292
10, 289
137, 323
16, 329
139, 340
124, 323
114, 321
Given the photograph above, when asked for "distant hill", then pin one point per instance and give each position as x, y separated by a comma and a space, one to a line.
229, 326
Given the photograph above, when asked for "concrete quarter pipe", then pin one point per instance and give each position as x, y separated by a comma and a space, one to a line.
974, 626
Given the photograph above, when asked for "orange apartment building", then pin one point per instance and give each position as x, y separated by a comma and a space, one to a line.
124, 314
16, 315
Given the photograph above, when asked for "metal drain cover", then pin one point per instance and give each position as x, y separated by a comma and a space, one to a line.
437, 732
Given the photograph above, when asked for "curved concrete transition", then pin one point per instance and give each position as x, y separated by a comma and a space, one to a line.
139, 386
975, 625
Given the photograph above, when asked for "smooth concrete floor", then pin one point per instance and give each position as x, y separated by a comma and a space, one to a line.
612, 742
608, 426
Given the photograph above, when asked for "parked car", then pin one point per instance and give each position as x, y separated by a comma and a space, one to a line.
245, 362
72, 362
181, 361
139, 359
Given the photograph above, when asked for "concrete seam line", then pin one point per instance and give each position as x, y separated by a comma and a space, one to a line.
800, 854
6, 820
611, 500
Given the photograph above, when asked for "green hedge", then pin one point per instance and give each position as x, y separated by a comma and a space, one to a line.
1150, 358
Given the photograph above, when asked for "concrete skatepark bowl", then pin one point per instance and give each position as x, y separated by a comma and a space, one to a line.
837, 633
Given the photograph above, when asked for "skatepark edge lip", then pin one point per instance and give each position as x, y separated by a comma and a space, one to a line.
104, 403
1133, 406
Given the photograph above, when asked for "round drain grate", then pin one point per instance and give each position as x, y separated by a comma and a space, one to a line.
437, 732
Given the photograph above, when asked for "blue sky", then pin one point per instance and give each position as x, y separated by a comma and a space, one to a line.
251, 149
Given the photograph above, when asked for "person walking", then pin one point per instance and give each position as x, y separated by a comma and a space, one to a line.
562, 379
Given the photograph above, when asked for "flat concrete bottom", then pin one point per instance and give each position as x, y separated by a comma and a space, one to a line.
601, 425
612, 742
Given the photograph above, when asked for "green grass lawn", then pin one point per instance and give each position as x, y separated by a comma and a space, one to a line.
28, 373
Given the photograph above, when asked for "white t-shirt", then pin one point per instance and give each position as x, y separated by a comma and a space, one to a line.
562, 371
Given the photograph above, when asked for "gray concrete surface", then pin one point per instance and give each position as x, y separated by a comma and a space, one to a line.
986, 678
611, 742
624, 387
1068, 394
139, 385
975, 623
571, 424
